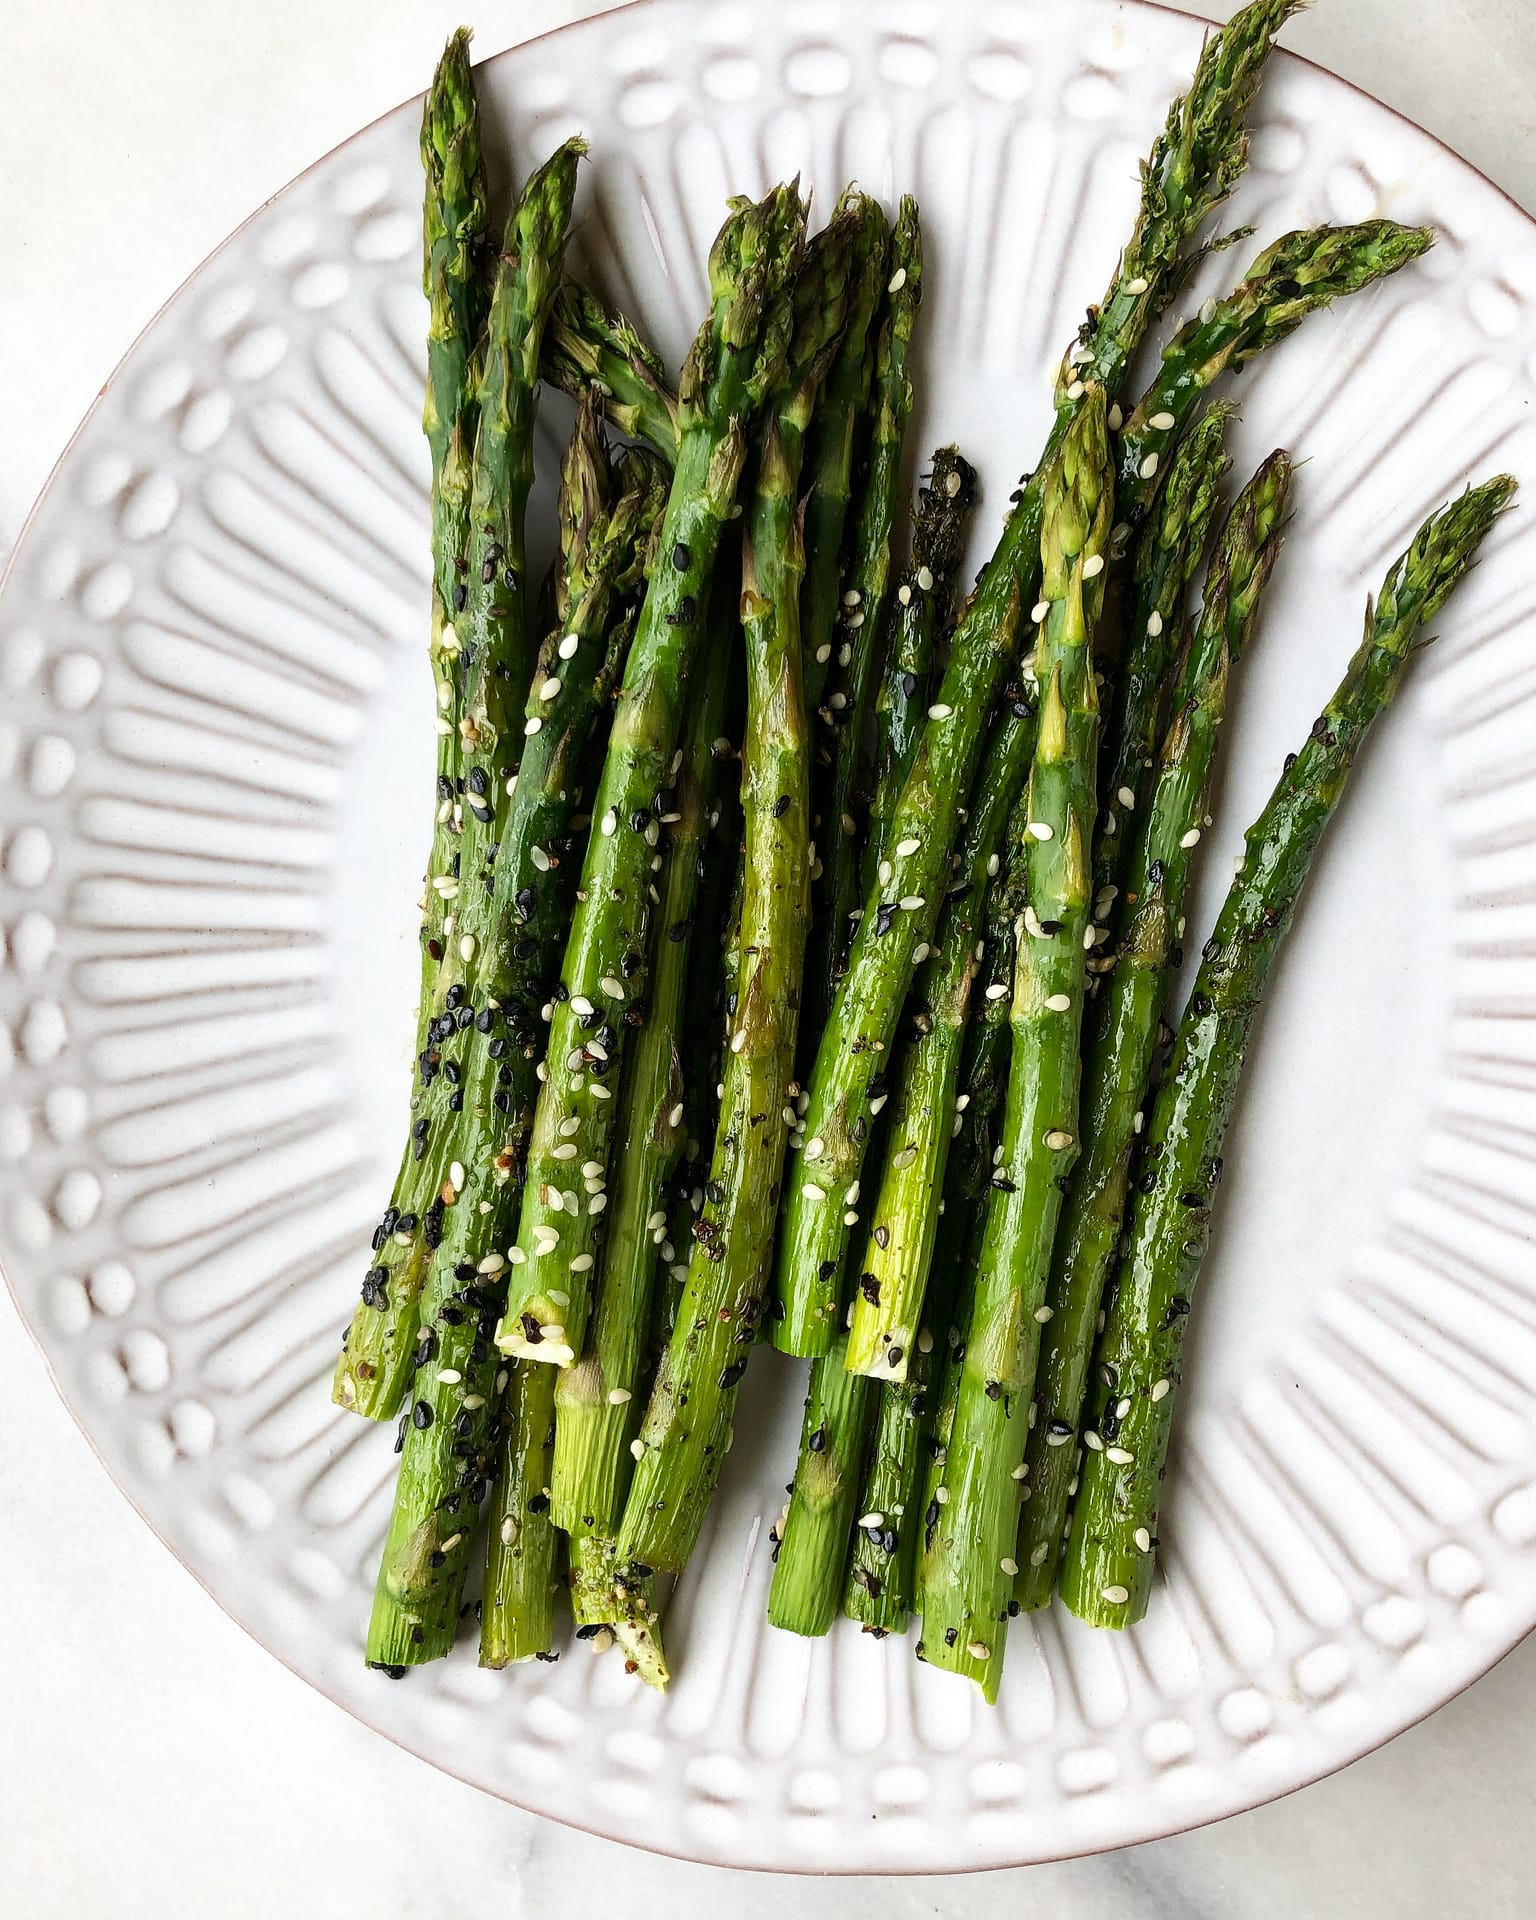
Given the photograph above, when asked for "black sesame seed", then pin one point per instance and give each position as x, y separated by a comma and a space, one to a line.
421, 1416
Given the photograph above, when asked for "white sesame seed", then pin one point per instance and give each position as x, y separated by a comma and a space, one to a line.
1092, 1442
904, 847
675, 1117
456, 1176
597, 1203
941, 1494
1076, 390
1148, 467
1137, 1121
924, 1341
608, 823
568, 646
1115, 419
1040, 611
532, 725
1010, 1567
1160, 1389
852, 1194
897, 281
1093, 566
1143, 1539
877, 1103
612, 987
979, 1650
1162, 423
904, 594
617, 1396
924, 578
1041, 830
582, 1263
567, 1151
911, 902
592, 1170
1058, 1140
904, 1158
872, 1520
812, 1192
1058, 1002
492, 1263
637, 1448
993, 863
1116, 1596
467, 947
1121, 1456
952, 484
883, 873
938, 711
1042, 1314
516, 1256
550, 688
813, 1148
449, 1376
738, 1039
997, 991
851, 1218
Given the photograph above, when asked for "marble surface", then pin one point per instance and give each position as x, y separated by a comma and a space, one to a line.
155, 1761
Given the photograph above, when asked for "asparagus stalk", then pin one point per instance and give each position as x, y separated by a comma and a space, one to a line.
866, 589
736, 359
829, 455
687, 1424
814, 1530
1168, 551
1193, 165
1118, 1059
522, 1562
595, 1401
967, 1571
888, 1299
1302, 273
590, 350
494, 654
968, 1170
457, 289
903, 1303
924, 599
1106, 1575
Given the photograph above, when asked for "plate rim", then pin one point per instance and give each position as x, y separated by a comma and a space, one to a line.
1156, 1830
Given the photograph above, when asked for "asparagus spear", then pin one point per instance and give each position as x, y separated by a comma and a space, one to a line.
968, 1170
814, 1529
687, 1424
866, 588
888, 1299
517, 1601
1168, 551
457, 289
1193, 164
829, 454
1301, 273
1118, 1060
924, 598
588, 349
494, 653
1106, 1575
903, 1302
735, 360
967, 1570
595, 1404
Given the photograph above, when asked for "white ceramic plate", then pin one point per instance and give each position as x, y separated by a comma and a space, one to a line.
215, 749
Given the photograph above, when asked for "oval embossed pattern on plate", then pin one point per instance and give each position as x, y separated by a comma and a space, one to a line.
211, 636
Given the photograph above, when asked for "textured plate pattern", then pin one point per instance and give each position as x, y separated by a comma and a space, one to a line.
214, 749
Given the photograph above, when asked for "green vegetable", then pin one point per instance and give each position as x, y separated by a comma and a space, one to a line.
1118, 1058
1106, 1575
737, 358
967, 1572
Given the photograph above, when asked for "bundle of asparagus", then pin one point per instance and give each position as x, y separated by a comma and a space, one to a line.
865, 1057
